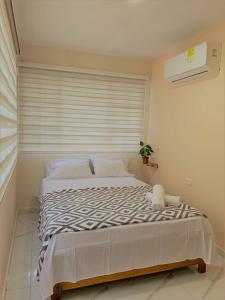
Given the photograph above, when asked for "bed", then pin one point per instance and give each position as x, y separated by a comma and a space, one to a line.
113, 249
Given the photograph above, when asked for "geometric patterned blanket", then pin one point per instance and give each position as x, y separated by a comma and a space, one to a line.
98, 208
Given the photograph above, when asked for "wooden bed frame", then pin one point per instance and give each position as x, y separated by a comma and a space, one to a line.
65, 286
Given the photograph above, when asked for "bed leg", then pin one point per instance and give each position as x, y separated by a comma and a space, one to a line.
202, 267
56, 292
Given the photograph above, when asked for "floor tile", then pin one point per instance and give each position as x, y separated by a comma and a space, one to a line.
22, 229
18, 281
28, 219
23, 242
34, 256
216, 290
33, 282
99, 292
137, 288
170, 292
36, 243
194, 283
33, 279
20, 270
20, 261
34, 263
33, 293
18, 294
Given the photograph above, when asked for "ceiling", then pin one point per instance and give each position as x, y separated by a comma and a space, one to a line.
132, 28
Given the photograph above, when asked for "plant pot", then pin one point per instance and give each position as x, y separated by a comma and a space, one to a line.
145, 160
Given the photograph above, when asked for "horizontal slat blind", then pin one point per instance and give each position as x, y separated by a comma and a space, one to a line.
63, 111
8, 102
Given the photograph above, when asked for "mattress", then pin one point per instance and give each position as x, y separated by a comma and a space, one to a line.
74, 256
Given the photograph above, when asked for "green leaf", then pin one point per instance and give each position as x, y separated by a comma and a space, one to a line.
142, 151
146, 150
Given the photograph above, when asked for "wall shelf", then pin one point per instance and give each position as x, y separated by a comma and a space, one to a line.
153, 165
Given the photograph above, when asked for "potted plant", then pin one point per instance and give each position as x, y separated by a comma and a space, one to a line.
145, 152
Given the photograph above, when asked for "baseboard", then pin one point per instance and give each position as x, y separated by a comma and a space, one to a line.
28, 210
221, 251
9, 258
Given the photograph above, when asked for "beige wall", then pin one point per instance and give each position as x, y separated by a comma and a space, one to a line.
7, 221
187, 132
76, 59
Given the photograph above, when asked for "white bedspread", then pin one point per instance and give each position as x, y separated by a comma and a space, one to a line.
71, 257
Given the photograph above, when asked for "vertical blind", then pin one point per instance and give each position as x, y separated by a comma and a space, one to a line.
8, 103
61, 111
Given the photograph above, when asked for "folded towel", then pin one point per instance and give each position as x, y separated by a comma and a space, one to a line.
169, 199
172, 200
158, 197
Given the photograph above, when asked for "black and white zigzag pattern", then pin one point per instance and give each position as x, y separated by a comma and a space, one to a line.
97, 208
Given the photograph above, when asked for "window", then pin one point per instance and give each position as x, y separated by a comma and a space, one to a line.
68, 111
8, 105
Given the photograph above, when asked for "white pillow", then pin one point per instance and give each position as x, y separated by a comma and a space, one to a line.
54, 163
104, 167
71, 170
125, 160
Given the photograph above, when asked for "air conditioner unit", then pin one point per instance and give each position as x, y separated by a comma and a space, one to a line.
200, 61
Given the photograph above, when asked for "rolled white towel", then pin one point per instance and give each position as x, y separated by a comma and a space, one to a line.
169, 199
172, 200
158, 197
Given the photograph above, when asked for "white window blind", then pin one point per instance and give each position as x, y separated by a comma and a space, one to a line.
8, 104
62, 111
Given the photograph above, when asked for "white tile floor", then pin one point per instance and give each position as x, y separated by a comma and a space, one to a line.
184, 284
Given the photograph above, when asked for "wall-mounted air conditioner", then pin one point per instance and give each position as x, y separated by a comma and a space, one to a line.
202, 60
